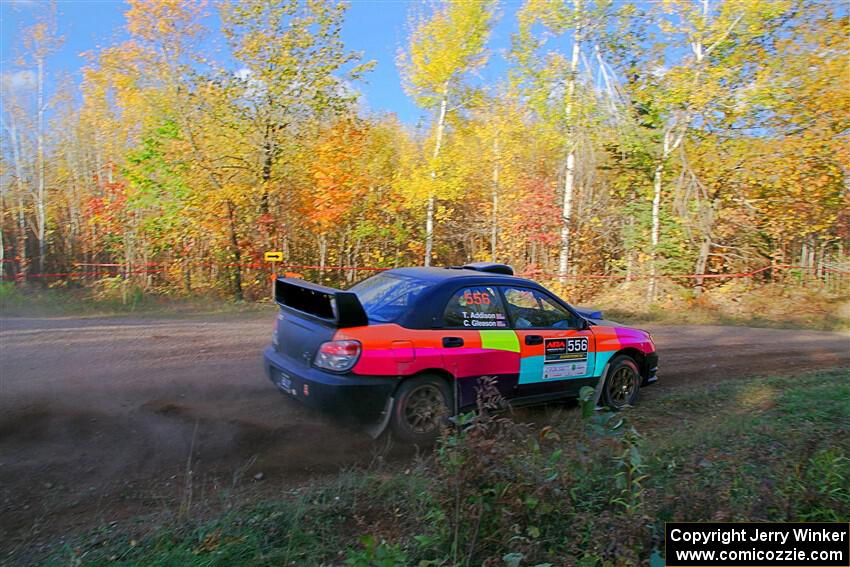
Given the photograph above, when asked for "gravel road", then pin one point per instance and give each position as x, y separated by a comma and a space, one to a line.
98, 417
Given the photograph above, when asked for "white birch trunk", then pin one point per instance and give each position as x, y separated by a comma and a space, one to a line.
673, 136
41, 215
494, 226
429, 212
671, 142
2, 240
323, 255
569, 177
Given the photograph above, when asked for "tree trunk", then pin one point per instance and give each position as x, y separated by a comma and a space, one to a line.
236, 272
266, 175
21, 237
671, 142
569, 177
265, 179
702, 262
494, 226
23, 261
656, 227
429, 212
187, 276
323, 254
2, 239
40, 208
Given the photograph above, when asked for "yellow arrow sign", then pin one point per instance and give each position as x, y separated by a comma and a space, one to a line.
273, 256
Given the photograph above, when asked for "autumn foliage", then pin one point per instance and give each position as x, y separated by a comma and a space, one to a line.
687, 137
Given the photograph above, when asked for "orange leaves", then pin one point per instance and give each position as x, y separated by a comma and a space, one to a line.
337, 172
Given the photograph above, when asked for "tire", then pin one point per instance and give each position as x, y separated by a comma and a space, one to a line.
622, 383
421, 410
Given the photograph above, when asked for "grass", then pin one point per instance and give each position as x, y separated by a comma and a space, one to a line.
788, 306
115, 302
559, 489
696, 315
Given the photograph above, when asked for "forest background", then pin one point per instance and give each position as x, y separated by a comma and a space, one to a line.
648, 152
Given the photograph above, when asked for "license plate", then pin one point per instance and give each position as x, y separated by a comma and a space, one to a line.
284, 381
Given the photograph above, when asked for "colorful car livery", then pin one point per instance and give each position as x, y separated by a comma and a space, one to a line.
406, 348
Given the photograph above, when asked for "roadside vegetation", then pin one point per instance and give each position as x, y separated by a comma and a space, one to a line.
554, 486
734, 303
113, 299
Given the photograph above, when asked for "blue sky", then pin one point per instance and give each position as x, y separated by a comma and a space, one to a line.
376, 27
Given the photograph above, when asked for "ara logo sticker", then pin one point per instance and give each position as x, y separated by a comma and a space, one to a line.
565, 349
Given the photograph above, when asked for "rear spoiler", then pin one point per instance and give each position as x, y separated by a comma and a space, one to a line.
331, 306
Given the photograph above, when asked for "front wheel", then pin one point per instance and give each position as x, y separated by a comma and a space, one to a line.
421, 410
622, 383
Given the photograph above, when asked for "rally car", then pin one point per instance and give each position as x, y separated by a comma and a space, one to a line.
405, 349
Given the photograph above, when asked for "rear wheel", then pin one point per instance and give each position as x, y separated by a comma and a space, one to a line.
622, 383
421, 410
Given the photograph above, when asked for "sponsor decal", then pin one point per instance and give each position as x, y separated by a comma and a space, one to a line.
473, 319
565, 369
565, 357
565, 349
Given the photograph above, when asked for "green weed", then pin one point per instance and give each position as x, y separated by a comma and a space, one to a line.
572, 492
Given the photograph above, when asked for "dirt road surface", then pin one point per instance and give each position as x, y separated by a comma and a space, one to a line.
99, 417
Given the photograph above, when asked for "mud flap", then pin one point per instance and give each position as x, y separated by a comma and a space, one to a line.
597, 394
374, 431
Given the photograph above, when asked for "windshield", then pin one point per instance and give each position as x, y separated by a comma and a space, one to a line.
386, 296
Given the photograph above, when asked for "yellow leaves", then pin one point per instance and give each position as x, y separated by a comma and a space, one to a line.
441, 49
153, 20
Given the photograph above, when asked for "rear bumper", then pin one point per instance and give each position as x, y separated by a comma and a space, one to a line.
650, 369
348, 397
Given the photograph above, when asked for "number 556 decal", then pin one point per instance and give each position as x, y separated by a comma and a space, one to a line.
476, 298
565, 349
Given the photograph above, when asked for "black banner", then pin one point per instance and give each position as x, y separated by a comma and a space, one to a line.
745, 544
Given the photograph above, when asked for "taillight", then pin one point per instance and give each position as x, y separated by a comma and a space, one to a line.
277, 321
338, 356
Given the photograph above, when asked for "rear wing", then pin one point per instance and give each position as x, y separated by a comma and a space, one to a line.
331, 306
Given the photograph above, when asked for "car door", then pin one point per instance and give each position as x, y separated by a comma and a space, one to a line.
477, 341
557, 352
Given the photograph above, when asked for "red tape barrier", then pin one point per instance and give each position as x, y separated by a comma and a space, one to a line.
149, 269
695, 276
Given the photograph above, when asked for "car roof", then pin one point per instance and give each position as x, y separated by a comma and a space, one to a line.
439, 275
441, 283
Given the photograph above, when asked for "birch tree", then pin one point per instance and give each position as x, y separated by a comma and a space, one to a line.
13, 116
552, 82
41, 41
442, 50
712, 37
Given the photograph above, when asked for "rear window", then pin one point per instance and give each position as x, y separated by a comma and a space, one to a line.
385, 297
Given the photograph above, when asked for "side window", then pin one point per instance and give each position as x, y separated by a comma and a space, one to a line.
531, 309
475, 308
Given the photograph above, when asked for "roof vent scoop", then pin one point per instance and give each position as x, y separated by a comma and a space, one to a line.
490, 268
